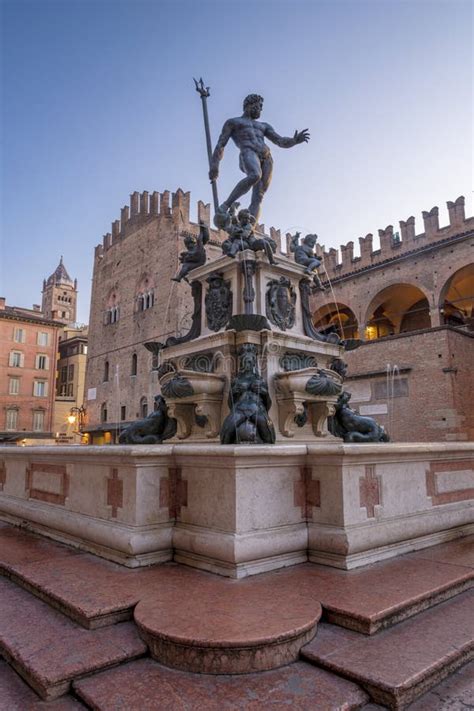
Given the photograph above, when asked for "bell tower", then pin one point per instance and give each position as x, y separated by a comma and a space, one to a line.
59, 301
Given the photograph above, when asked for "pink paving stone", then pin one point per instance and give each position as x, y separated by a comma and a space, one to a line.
49, 650
206, 624
399, 664
146, 685
16, 695
92, 590
17, 546
369, 598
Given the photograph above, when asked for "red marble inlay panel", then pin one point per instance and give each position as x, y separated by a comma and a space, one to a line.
307, 493
3, 475
59, 479
114, 492
173, 492
447, 497
370, 490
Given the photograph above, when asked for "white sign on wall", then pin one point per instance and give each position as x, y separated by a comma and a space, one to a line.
92, 393
373, 409
360, 391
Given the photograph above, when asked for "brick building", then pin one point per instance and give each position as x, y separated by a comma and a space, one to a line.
412, 301
134, 301
28, 348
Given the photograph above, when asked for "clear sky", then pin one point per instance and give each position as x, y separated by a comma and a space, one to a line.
98, 101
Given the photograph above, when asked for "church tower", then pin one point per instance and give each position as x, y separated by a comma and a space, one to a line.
59, 301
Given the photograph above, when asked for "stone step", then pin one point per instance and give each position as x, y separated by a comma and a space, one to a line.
95, 592
380, 595
91, 591
15, 695
203, 623
401, 663
298, 686
49, 650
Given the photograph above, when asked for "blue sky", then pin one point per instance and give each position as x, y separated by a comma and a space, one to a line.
98, 101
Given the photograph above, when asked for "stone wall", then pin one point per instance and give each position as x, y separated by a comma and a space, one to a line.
237, 511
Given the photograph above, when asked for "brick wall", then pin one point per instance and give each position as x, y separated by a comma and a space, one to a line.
142, 249
432, 384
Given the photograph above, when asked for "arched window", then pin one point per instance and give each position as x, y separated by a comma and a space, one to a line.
134, 364
114, 314
106, 371
103, 412
145, 300
143, 407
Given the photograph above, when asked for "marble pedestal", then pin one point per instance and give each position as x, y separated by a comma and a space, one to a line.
241, 510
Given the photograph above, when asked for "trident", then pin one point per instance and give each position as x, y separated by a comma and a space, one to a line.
203, 92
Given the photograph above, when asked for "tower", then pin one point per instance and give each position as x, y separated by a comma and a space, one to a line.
59, 301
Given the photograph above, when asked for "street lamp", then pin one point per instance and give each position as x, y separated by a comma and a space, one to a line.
77, 413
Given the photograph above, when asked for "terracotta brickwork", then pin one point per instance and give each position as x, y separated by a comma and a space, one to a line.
412, 301
136, 262
395, 244
430, 398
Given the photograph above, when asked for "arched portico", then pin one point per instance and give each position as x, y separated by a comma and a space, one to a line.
456, 303
398, 308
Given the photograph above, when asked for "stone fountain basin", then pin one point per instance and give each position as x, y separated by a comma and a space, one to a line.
293, 382
211, 384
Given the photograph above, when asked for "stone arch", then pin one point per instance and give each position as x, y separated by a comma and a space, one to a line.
336, 317
456, 300
397, 308
112, 297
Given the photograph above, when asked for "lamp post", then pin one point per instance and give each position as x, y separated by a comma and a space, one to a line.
77, 413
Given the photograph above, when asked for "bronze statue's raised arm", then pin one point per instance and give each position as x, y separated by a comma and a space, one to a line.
219, 150
282, 141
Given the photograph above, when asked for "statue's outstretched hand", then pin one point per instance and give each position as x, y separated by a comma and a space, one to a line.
213, 173
301, 136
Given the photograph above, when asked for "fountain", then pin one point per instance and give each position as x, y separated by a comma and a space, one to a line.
253, 459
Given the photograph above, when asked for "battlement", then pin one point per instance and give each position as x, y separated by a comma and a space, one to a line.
392, 243
175, 207
144, 207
